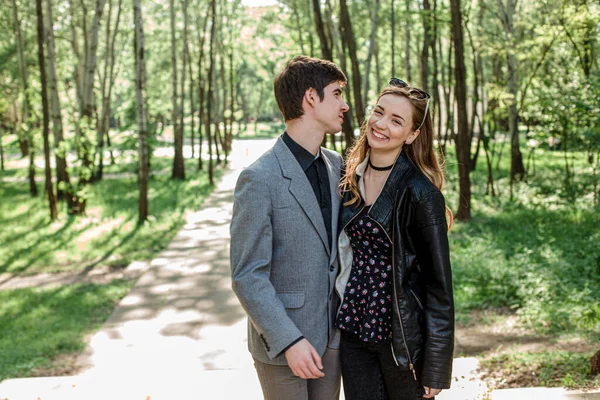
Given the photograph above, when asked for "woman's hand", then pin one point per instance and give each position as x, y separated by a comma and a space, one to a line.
430, 393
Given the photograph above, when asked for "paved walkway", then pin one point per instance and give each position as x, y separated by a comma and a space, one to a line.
181, 334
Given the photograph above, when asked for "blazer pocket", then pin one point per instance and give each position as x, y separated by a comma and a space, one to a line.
292, 299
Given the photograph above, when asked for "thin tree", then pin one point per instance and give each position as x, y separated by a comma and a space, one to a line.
178, 164
23, 141
191, 88
427, 42
40, 37
91, 62
348, 37
393, 41
298, 24
210, 96
407, 40
183, 77
201, 33
1, 151
108, 80
372, 47
462, 137
62, 176
25, 138
517, 169
325, 45
140, 83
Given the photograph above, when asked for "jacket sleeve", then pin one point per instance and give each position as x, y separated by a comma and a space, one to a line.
250, 254
434, 259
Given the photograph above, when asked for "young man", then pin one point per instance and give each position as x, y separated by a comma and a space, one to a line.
283, 239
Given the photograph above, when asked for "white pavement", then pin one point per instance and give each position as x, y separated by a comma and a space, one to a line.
181, 334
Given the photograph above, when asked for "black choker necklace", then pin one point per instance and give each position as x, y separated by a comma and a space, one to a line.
380, 168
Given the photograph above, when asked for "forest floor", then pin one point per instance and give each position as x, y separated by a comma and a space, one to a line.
494, 335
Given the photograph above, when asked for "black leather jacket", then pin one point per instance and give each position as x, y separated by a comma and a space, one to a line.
412, 212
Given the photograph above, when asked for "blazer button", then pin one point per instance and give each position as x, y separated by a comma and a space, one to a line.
331, 268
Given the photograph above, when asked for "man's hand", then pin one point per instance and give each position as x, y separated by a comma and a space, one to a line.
304, 360
430, 393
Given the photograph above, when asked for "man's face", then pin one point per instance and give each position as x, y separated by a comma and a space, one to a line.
330, 112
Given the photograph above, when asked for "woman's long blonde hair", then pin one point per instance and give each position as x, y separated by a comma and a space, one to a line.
420, 151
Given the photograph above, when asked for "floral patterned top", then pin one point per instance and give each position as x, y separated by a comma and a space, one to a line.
366, 308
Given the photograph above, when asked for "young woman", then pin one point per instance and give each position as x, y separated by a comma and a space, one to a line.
395, 283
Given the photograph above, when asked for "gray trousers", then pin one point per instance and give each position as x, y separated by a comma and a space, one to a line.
278, 382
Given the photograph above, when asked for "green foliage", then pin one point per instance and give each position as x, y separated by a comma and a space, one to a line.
536, 254
38, 325
109, 233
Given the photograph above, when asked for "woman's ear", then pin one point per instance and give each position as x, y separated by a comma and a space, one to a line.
413, 136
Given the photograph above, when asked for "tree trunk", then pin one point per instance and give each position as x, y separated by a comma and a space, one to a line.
107, 85
437, 96
231, 94
407, 41
348, 38
294, 7
178, 167
78, 71
201, 82
347, 128
210, 97
23, 136
517, 170
140, 83
1, 151
372, 46
62, 175
462, 139
474, 101
393, 41
42, 62
183, 67
90, 68
427, 22
325, 46
192, 111
103, 86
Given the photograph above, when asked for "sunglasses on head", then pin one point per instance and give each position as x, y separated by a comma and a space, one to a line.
413, 91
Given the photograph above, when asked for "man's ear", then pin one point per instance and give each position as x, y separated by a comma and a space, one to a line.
310, 96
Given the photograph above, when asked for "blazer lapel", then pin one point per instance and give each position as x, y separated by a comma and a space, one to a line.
334, 180
301, 189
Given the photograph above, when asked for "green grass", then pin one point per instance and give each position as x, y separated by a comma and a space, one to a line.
38, 325
535, 256
108, 234
547, 368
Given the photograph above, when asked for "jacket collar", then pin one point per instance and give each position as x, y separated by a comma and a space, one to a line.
382, 208
301, 189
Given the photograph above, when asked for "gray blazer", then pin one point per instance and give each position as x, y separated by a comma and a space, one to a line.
283, 270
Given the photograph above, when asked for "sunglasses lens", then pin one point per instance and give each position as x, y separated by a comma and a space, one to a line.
420, 94
398, 82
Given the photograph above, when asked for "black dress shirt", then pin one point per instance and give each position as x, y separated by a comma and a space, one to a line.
316, 171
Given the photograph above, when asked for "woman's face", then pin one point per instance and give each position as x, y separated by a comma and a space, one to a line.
390, 123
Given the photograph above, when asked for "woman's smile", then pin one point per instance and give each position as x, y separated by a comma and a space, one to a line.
378, 135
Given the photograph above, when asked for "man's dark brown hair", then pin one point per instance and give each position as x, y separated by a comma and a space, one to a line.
300, 74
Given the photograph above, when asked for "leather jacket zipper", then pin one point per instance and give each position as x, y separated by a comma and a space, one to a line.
417, 299
411, 366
